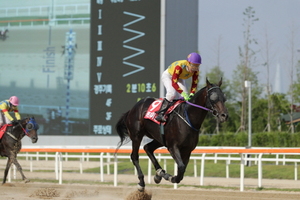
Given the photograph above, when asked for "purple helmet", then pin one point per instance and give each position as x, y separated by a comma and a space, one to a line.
194, 58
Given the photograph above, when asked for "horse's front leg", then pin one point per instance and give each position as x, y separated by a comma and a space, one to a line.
16, 163
176, 154
8, 164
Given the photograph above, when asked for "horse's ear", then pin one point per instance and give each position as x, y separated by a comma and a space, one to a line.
207, 82
220, 82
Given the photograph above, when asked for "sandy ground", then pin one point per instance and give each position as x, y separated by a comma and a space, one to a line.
93, 189
34, 190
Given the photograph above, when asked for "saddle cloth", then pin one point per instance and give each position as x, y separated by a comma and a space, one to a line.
155, 106
3, 129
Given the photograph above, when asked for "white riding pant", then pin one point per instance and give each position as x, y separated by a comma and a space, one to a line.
4, 119
171, 93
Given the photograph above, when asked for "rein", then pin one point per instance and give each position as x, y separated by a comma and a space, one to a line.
26, 133
187, 120
195, 105
14, 137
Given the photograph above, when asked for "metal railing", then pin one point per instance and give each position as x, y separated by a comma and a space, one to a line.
61, 155
44, 22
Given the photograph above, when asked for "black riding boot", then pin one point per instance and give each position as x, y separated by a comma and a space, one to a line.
161, 113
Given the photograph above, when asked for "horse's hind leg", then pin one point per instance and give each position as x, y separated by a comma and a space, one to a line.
8, 164
16, 163
150, 148
135, 160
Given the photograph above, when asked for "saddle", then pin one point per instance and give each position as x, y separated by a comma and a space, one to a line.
155, 106
3, 129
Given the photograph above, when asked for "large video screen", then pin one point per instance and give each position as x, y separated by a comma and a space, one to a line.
124, 61
77, 66
45, 62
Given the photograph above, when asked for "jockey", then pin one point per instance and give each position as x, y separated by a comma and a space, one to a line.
174, 77
7, 106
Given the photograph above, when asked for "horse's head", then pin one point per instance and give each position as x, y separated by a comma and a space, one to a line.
30, 128
216, 100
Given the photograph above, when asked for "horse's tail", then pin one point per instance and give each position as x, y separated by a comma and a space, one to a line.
122, 130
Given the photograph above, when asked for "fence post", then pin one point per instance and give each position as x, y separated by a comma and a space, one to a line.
80, 165
31, 168
116, 171
15, 172
242, 173
260, 170
56, 165
60, 168
202, 169
296, 171
227, 168
195, 168
149, 170
175, 173
101, 167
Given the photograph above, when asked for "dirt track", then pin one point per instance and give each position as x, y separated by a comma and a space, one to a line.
88, 186
92, 189
33, 191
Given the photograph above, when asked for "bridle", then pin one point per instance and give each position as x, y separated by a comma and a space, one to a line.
209, 106
31, 124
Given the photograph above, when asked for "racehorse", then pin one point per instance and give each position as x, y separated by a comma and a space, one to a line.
10, 143
3, 34
180, 133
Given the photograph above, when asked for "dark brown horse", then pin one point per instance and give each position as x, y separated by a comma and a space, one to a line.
3, 35
10, 144
181, 131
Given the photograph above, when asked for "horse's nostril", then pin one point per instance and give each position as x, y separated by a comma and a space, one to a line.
225, 116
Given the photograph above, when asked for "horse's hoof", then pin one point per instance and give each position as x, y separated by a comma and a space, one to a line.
140, 188
157, 179
27, 181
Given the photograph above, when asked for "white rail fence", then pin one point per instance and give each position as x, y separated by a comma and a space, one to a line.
106, 159
69, 9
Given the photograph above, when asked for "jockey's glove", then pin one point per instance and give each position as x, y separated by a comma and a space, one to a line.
191, 95
185, 96
15, 122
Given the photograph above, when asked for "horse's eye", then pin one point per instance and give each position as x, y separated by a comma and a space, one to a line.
213, 96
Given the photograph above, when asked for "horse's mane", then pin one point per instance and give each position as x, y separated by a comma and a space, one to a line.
200, 91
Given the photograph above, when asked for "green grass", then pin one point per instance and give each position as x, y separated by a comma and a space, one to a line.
270, 171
